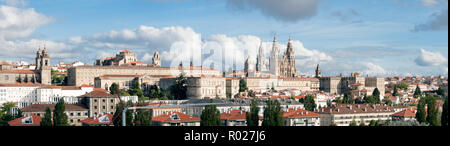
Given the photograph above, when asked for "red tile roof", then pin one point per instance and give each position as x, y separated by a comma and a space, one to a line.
18, 122
234, 115
292, 113
183, 117
125, 51
410, 112
99, 94
95, 120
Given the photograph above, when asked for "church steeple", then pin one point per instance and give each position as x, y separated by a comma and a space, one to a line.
156, 59
318, 72
261, 59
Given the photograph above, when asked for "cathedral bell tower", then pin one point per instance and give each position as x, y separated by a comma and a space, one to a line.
43, 67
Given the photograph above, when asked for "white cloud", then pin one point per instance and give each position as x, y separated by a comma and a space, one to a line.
147, 57
373, 69
288, 10
20, 23
428, 58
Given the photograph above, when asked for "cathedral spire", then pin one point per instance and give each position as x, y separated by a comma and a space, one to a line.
318, 72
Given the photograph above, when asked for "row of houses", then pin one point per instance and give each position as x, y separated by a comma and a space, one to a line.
340, 115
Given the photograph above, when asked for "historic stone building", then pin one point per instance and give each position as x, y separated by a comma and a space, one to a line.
206, 87
283, 66
341, 85
80, 75
125, 57
264, 84
41, 74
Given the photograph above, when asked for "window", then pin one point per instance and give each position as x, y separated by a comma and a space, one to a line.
103, 100
95, 100
95, 107
71, 121
112, 107
79, 114
112, 101
71, 114
104, 107
85, 114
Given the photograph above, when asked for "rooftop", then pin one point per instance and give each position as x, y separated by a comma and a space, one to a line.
175, 117
356, 109
32, 120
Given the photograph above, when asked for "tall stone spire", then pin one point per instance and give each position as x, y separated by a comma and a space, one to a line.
156, 59
274, 61
261, 60
288, 68
318, 72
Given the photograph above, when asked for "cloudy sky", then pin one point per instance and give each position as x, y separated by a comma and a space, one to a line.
375, 37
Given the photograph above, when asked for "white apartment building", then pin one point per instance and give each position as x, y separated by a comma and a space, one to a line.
344, 114
26, 94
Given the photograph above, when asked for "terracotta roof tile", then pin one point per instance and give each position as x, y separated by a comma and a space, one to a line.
182, 117
234, 115
95, 120
292, 113
36, 121
97, 93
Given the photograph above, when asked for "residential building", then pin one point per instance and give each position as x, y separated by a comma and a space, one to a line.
175, 119
301, 117
344, 114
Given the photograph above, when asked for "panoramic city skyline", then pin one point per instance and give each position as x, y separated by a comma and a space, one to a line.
406, 38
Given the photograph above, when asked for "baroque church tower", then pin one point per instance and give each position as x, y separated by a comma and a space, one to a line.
318, 72
288, 68
261, 65
43, 66
275, 58
156, 59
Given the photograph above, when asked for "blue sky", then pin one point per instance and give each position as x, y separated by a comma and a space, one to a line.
376, 37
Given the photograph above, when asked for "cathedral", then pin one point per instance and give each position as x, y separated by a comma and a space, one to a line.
283, 66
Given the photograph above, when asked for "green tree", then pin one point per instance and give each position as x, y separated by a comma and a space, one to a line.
353, 123
309, 103
143, 118
242, 85
348, 98
376, 93
5, 113
417, 92
180, 87
19, 114
273, 114
117, 117
421, 114
395, 91
114, 89
210, 116
432, 110
388, 102
59, 117
373, 123
444, 118
136, 90
252, 116
47, 119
